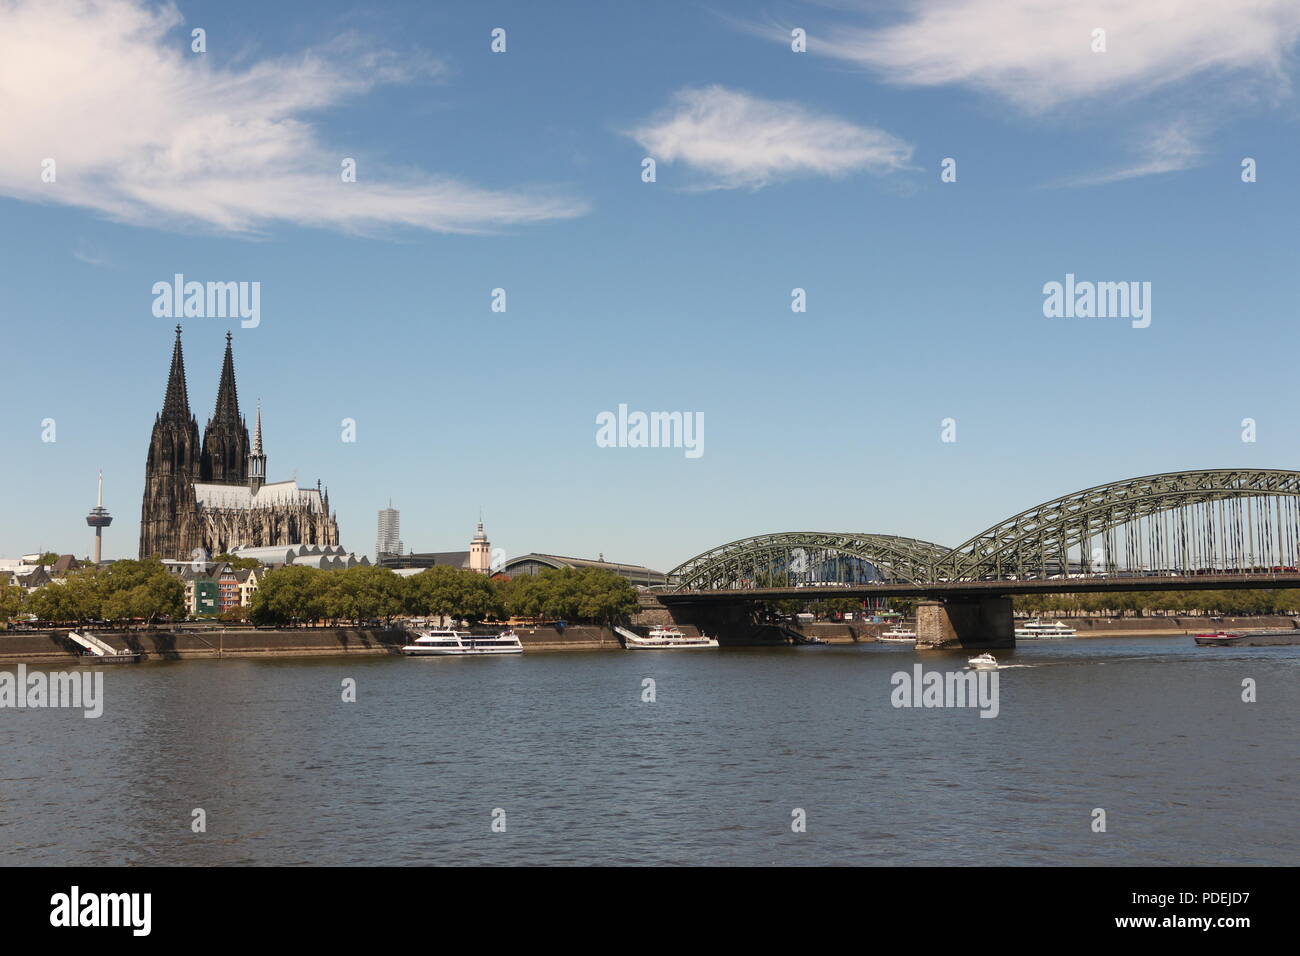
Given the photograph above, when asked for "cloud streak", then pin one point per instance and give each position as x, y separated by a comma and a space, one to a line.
735, 140
1037, 54
1169, 148
147, 133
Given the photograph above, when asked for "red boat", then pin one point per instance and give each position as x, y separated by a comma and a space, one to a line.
1219, 639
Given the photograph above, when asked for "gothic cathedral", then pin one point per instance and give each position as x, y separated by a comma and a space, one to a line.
212, 498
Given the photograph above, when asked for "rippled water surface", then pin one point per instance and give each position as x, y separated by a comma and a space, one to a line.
1152, 730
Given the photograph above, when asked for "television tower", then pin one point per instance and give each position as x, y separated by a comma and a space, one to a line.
99, 519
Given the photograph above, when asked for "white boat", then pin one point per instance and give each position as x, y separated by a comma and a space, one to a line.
1036, 630
664, 637
898, 635
448, 643
983, 662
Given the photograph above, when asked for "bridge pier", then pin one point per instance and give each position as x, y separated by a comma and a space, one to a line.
731, 624
974, 622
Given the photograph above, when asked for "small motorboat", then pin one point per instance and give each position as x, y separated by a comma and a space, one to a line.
1218, 639
983, 662
1287, 638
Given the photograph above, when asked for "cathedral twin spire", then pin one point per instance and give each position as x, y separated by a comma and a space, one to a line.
225, 440
226, 455
227, 396
174, 522
176, 402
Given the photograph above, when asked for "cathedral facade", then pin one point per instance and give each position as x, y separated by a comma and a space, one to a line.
211, 497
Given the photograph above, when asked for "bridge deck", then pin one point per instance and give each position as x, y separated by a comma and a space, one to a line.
1090, 584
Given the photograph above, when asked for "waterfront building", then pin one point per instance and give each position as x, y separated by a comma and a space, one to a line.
535, 563
477, 558
28, 572
247, 581
389, 537
202, 590
414, 561
233, 587
24, 574
227, 589
328, 557
480, 552
212, 496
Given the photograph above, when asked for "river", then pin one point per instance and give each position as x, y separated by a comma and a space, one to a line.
557, 759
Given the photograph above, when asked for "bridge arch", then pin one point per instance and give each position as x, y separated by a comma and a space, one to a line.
1184, 521
1173, 524
746, 562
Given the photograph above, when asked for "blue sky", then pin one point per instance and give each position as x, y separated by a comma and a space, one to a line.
775, 170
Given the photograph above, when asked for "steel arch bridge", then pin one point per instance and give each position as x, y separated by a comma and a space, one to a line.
791, 556
1177, 524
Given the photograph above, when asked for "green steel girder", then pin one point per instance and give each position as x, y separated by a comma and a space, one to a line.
898, 559
1016, 546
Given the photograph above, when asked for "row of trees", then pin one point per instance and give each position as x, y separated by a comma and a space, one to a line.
1119, 604
123, 590
1161, 603
295, 595
145, 590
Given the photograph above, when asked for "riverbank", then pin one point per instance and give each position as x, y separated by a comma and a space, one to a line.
199, 643
1168, 626
850, 633
190, 642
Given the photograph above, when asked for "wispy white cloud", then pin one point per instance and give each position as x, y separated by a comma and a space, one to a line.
736, 140
1038, 54
89, 253
148, 133
1168, 148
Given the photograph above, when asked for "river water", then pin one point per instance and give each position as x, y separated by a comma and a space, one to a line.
562, 749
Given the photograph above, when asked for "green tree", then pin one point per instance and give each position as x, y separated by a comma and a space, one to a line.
77, 597
604, 597
363, 593
290, 595
11, 602
139, 589
592, 595
445, 591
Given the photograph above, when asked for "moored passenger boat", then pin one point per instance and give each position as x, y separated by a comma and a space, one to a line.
664, 637
1036, 630
450, 643
898, 635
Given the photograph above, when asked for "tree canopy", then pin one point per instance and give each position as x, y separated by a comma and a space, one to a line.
573, 594
296, 595
122, 590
